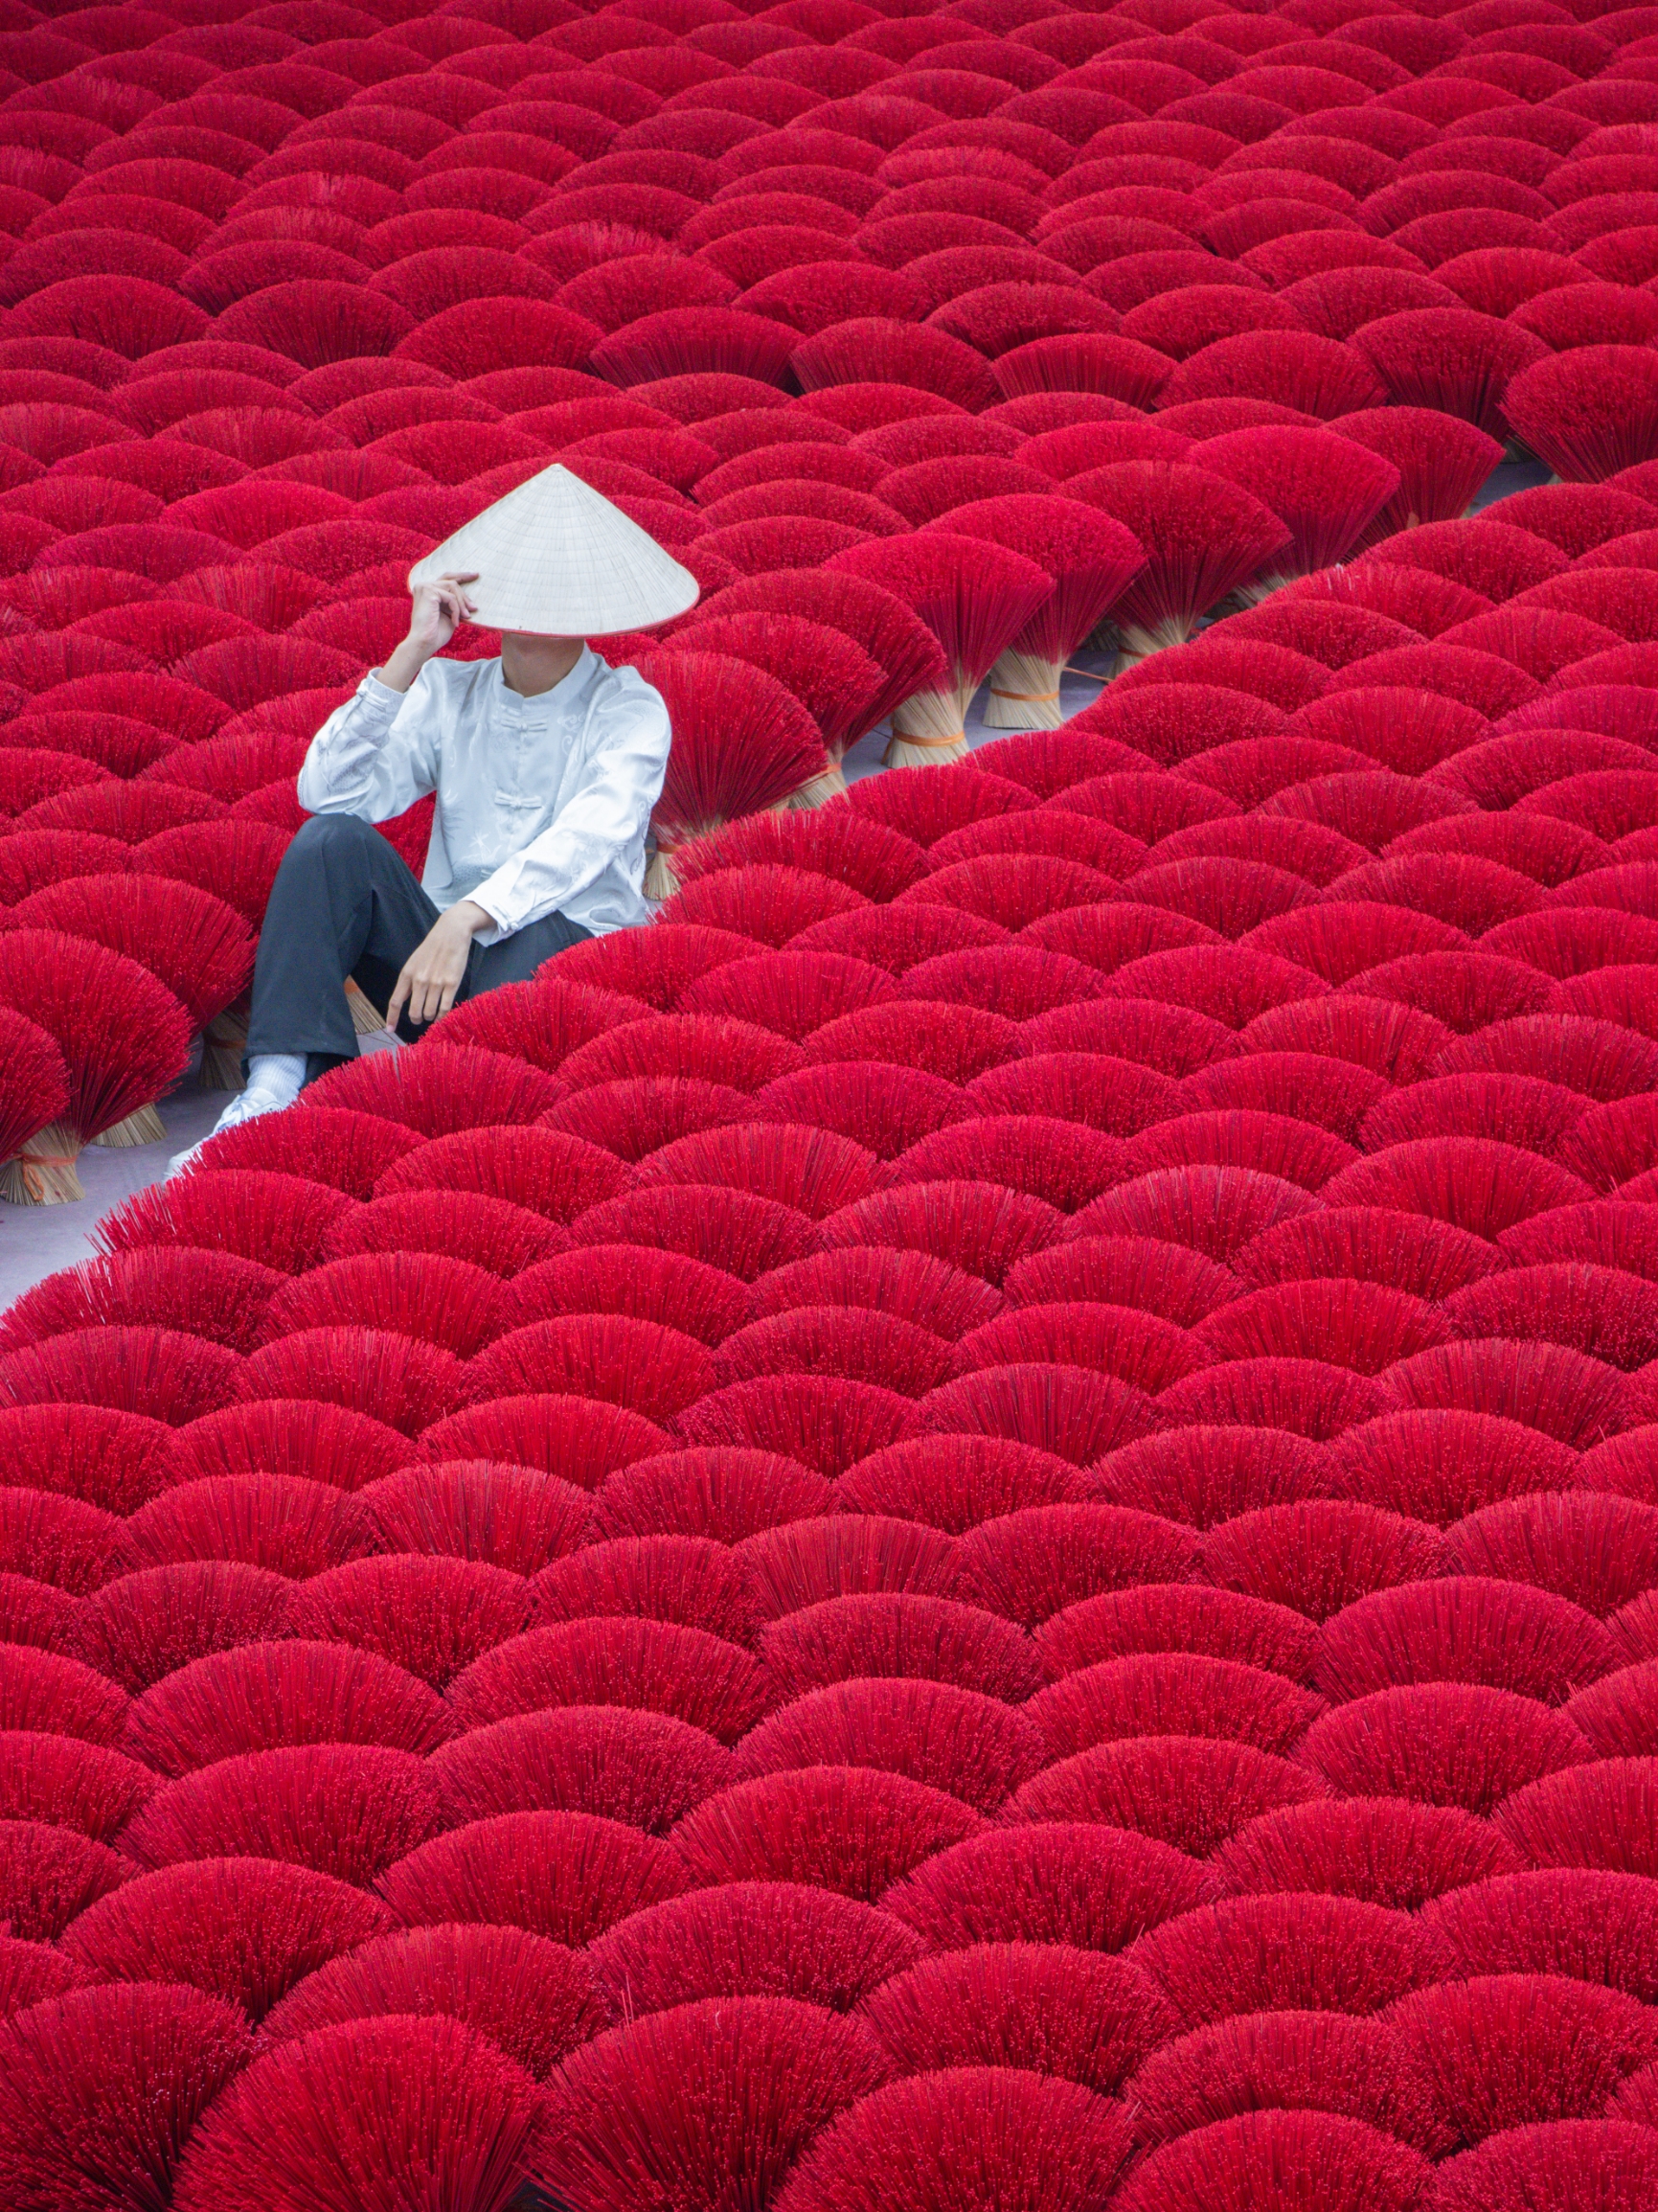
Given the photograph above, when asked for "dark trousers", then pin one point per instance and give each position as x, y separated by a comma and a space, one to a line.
346, 903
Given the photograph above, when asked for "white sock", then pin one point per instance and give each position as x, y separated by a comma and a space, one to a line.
276, 1079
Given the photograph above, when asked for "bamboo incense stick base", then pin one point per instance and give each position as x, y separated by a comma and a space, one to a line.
928, 731
143, 1127
366, 1016
223, 1041
43, 1172
830, 784
1024, 693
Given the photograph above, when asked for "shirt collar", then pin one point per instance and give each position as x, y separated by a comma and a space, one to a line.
544, 702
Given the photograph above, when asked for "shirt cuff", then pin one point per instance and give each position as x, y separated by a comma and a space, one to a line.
501, 924
380, 696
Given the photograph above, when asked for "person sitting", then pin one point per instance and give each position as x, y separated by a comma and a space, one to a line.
546, 763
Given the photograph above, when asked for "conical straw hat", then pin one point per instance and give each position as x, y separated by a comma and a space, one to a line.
554, 559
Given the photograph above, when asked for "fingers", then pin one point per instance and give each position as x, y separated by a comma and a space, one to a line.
422, 994
438, 997
453, 596
431, 978
444, 602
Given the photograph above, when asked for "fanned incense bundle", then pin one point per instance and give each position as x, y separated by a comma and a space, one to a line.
976, 1521
974, 600
741, 741
1090, 559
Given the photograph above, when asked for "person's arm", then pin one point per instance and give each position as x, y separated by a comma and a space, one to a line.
376, 755
606, 814
436, 968
435, 613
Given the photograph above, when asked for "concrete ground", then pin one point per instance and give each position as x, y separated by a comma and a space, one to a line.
36, 1241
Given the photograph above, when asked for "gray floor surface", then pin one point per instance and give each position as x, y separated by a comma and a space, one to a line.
37, 1241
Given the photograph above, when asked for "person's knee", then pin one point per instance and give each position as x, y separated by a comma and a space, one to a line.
324, 846
330, 833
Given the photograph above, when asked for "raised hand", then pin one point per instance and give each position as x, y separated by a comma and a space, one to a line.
438, 610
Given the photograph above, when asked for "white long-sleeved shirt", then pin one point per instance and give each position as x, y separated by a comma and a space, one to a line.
543, 803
